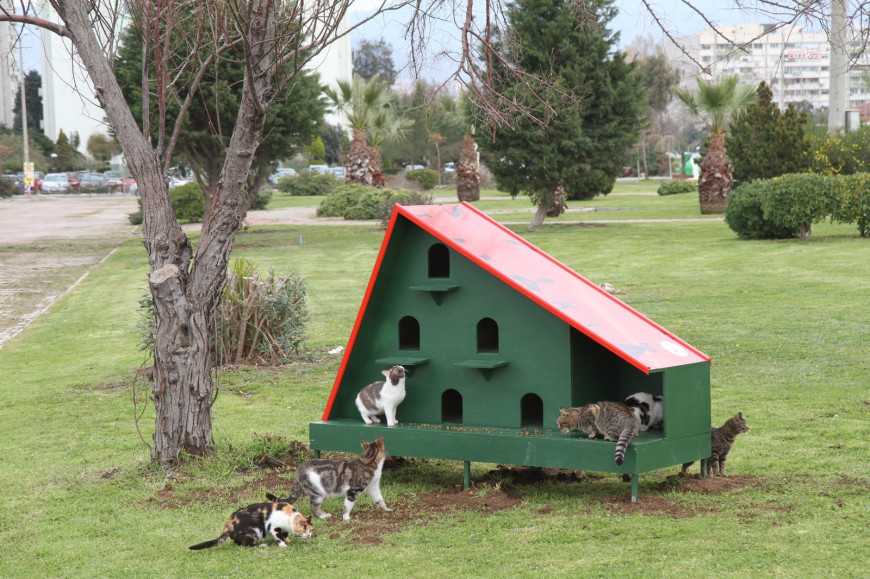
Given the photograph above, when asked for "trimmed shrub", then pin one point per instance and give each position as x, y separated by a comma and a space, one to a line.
427, 178
798, 200
261, 201
854, 201
745, 216
188, 202
675, 186
306, 183
136, 218
361, 202
7, 188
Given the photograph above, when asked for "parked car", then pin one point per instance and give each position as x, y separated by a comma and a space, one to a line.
285, 172
74, 180
56, 183
114, 180
338, 172
91, 182
323, 169
413, 167
449, 167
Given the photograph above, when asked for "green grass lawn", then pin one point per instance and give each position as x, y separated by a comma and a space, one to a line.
786, 323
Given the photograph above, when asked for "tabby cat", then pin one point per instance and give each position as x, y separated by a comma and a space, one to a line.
648, 408
383, 397
616, 421
321, 478
721, 441
250, 525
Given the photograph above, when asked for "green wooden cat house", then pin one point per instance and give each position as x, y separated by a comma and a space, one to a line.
496, 336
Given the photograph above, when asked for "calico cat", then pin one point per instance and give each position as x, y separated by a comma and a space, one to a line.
321, 478
250, 525
383, 397
616, 421
721, 441
648, 408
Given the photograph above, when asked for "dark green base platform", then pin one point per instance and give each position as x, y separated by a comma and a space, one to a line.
522, 447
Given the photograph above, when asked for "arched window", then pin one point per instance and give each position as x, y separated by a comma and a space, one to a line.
451, 407
439, 260
409, 333
487, 336
532, 411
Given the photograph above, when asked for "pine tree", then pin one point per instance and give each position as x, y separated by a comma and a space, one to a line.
765, 142
597, 98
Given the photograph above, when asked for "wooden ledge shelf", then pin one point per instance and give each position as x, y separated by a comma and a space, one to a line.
486, 367
437, 290
402, 361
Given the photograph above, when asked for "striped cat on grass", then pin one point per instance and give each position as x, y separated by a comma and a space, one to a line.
721, 441
614, 420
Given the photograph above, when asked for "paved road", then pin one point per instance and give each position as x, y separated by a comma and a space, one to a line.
47, 244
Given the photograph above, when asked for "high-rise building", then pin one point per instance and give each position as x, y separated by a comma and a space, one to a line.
795, 63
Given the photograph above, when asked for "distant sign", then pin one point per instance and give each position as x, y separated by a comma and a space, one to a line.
28, 174
804, 54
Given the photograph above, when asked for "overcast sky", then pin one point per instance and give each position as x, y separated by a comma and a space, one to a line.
633, 20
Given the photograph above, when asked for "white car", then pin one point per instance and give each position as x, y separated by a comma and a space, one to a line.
56, 183
278, 174
413, 167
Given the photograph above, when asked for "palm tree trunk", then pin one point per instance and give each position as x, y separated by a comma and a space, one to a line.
716, 180
358, 170
467, 175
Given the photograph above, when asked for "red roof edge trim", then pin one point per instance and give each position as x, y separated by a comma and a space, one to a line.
361, 314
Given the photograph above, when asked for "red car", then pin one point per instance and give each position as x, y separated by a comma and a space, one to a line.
74, 180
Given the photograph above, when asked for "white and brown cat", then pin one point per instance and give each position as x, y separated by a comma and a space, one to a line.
382, 398
321, 478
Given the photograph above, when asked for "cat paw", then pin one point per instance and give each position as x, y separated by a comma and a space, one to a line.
346, 517
282, 544
375, 419
393, 423
324, 516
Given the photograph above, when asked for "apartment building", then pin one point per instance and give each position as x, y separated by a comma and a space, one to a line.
795, 63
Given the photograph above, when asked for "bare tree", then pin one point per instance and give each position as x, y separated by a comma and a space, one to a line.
274, 40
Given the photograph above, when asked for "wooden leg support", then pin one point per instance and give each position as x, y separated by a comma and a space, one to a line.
634, 478
316, 454
703, 468
466, 475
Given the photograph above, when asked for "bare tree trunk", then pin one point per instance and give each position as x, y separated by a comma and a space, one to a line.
467, 174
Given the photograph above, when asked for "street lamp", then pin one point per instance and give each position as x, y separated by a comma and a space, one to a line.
24, 33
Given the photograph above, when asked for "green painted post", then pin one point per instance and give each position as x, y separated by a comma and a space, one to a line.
466, 475
316, 454
634, 478
703, 468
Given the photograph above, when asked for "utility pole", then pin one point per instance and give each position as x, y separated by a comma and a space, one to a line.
838, 95
23, 98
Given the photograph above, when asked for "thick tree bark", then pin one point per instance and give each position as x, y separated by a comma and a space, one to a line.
185, 292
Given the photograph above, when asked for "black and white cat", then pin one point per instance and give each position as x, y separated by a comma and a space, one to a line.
648, 408
382, 398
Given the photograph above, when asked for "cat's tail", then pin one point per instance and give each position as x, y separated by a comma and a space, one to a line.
625, 438
208, 544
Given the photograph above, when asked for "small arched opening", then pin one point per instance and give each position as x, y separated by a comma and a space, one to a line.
451, 407
439, 261
487, 336
532, 411
409, 333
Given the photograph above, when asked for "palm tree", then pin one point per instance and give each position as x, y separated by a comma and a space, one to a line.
715, 103
368, 106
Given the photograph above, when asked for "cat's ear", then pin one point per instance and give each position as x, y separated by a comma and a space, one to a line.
740, 415
365, 445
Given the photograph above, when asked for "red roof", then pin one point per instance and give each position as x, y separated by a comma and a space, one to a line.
552, 285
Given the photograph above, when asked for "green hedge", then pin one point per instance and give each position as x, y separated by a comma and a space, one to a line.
675, 186
306, 183
427, 178
788, 205
361, 202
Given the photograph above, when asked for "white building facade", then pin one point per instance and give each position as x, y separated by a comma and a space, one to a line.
795, 64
